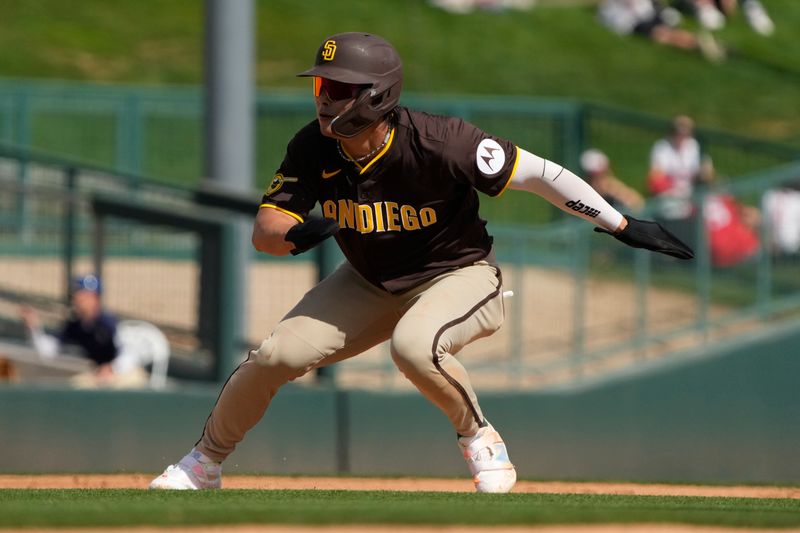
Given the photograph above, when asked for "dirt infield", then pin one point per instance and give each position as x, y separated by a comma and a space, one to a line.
140, 481
166, 293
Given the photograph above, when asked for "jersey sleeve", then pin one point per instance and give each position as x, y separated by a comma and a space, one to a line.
292, 189
485, 161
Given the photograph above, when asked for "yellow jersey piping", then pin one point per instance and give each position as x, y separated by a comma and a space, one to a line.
380, 154
511, 177
273, 206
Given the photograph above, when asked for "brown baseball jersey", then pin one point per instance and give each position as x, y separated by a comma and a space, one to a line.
411, 212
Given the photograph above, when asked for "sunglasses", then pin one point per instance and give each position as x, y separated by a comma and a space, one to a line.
336, 90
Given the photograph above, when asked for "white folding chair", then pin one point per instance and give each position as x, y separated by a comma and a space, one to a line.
149, 344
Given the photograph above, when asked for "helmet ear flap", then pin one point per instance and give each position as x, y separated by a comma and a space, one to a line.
369, 107
354, 120
377, 99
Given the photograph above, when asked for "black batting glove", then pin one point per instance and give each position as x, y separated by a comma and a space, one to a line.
310, 233
651, 236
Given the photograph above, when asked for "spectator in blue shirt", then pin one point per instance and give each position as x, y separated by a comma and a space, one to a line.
92, 330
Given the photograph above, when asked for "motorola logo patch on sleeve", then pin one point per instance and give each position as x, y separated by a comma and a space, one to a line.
490, 157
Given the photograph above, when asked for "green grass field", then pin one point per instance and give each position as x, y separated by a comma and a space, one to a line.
545, 52
95, 508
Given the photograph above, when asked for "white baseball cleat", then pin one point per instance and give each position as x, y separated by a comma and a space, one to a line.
194, 472
487, 459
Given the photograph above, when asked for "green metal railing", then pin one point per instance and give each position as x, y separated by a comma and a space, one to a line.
156, 132
610, 299
566, 278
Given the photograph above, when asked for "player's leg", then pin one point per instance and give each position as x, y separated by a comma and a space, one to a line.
442, 317
338, 318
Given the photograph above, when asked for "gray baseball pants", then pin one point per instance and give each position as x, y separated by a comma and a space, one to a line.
344, 315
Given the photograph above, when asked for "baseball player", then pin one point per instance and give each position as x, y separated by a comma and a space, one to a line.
398, 189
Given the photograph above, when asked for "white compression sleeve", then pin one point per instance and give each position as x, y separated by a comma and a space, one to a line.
563, 189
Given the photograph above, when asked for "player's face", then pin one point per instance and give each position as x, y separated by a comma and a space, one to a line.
333, 98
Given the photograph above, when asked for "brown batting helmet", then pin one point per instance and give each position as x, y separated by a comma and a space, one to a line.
361, 59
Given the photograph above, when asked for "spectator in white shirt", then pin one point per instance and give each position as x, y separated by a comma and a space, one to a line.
676, 166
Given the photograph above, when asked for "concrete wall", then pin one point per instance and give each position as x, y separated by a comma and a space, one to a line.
728, 416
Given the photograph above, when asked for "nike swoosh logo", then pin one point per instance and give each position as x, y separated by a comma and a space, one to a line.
326, 175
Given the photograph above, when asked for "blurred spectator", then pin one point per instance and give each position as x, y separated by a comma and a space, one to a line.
782, 213
712, 14
598, 173
93, 331
676, 166
732, 229
650, 19
467, 6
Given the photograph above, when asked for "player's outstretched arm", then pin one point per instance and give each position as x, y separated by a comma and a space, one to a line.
565, 190
568, 192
